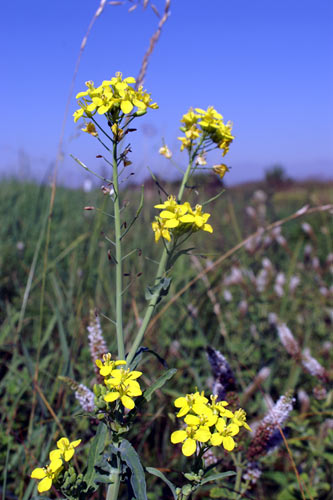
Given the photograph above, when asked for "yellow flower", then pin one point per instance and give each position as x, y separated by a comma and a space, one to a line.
165, 151
205, 419
186, 143
200, 219
90, 129
107, 366
196, 402
176, 216
65, 449
189, 438
192, 133
208, 123
47, 474
123, 386
224, 434
111, 97
219, 409
160, 230
221, 170
190, 118
169, 204
174, 213
239, 419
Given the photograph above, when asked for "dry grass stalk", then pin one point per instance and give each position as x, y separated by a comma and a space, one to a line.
153, 41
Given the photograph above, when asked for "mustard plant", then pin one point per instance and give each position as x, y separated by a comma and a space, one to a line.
119, 395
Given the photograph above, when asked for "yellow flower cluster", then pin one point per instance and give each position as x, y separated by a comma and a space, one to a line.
121, 383
64, 452
111, 98
178, 218
207, 125
208, 422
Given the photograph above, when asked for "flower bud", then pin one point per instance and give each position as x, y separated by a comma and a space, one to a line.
140, 112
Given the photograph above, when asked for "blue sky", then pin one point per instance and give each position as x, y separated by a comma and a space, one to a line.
266, 65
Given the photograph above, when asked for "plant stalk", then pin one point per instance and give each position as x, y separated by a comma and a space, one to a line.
113, 489
117, 225
160, 271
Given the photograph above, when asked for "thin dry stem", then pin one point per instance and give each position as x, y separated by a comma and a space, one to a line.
153, 41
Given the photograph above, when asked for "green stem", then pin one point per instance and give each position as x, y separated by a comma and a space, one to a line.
184, 181
113, 489
160, 271
117, 225
149, 310
238, 476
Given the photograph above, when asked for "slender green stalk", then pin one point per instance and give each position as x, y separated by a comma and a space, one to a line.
160, 271
117, 225
238, 476
184, 181
149, 310
113, 489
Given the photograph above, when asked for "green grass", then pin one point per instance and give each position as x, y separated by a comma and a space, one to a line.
79, 277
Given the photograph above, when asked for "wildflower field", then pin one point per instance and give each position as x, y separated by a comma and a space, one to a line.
248, 319
171, 340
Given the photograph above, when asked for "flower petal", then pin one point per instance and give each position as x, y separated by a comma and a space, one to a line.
134, 375
203, 434
216, 439
68, 454
63, 443
172, 223
178, 436
228, 443
55, 455
189, 447
126, 107
180, 402
38, 473
44, 485
128, 402
76, 443
55, 465
192, 420
111, 396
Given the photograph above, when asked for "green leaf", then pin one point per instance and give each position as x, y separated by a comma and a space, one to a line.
131, 458
213, 198
96, 449
178, 254
158, 473
159, 383
139, 354
159, 290
216, 477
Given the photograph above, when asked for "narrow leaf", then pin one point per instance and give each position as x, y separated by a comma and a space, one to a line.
215, 477
138, 481
158, 473
96, 448
159, 383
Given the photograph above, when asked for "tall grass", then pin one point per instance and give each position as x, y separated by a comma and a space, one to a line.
226, 306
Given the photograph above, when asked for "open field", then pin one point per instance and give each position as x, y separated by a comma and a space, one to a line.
242, 306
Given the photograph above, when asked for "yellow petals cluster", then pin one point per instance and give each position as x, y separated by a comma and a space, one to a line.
208, 127
47, 475
208, 423
176, 218
113, 98
121, 383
